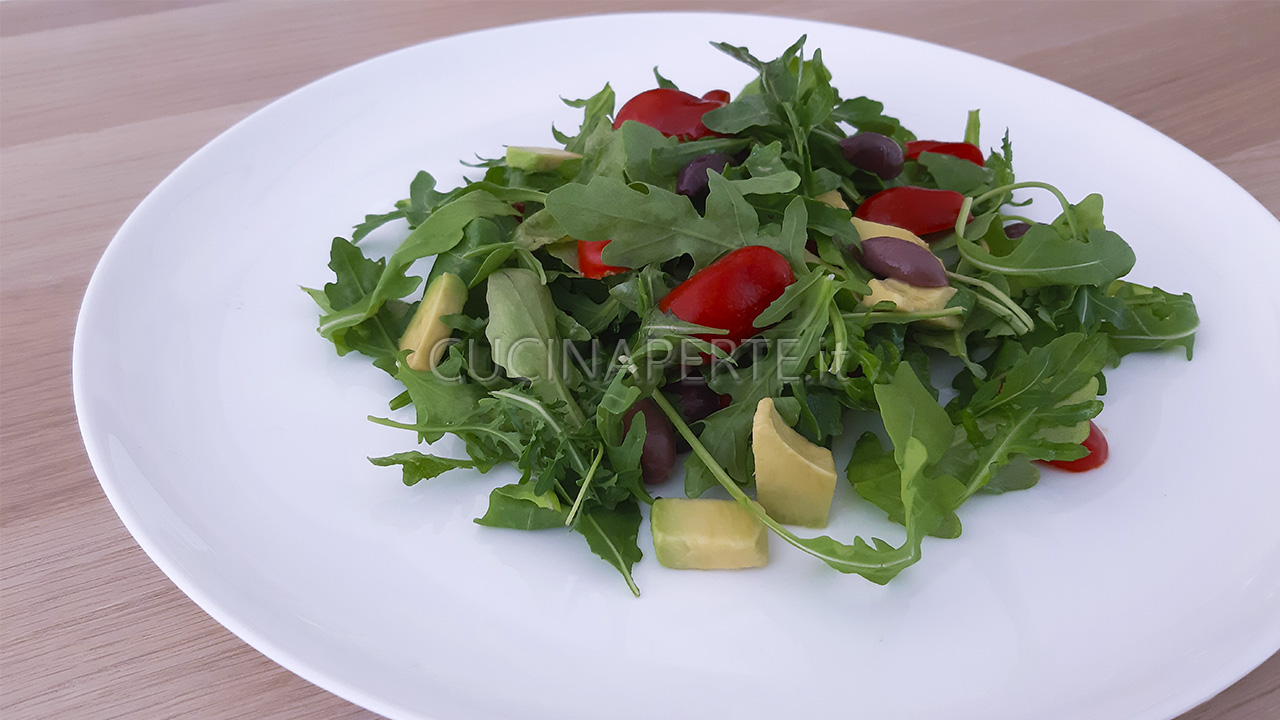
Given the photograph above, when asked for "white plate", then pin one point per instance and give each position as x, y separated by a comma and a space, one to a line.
232, 441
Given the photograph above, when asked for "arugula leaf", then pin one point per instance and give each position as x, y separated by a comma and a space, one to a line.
603, 154
524, 333
868, 115
423, 199
744, 112
769, 175
482, 250
439, 232
377, 336
538, 230
1016, 412
799, 337
612, 534
1153, 320
595, 111
652, 225
518, 507
910, 411
953, 173
973, 128
1045, 257
418, 467
373, 222
662, 81
876, 477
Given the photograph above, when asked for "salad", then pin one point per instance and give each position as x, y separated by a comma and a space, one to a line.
729, 283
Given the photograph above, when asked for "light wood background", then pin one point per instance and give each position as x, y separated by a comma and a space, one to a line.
100, 100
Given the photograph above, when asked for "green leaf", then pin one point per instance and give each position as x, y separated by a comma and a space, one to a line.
867, 115
483, 249
798, 338
663, 82
1022, 410
727, 436
747, 111
377, 336
423, 199
440, 397
373, 222
667, 160
790, 300
518, 507
523, 331
909, 411
639, 142
1087, 215
652, 225
876, 478
418, 467
603, 154
953, 173
538, 230
1045, 257
612, 534
1019, 474
594, 109
442, 230
973, 129
1153, 320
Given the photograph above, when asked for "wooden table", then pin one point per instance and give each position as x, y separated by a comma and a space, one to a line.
100, 100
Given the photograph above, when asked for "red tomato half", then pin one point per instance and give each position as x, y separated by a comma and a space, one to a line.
720, 96
730, 293
589, 262
920, 210
964, 151
673, 113
1096, 444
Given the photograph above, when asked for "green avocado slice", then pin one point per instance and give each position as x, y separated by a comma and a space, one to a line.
427, 333
706, 534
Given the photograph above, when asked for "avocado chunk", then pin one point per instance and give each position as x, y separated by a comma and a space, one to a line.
427, 333
867, 229
537, 159
911, 299
707, 534
832, 198
795, 479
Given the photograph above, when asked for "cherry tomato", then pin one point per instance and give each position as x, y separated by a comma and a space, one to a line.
671, 112
730, 293
1096, 444
589, 263
964, 151
920, 210
720, 96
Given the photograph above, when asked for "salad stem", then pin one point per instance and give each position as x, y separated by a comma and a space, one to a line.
582, 491
1023, 318
388, 422
841, 351
895, 316
1067, 209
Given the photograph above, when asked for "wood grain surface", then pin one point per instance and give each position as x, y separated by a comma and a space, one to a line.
100, 100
